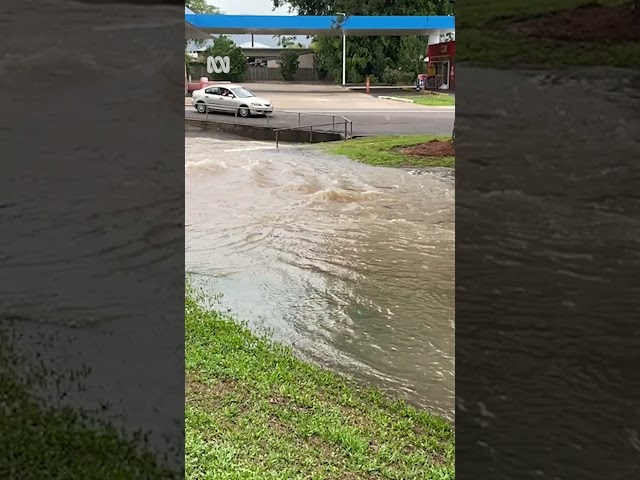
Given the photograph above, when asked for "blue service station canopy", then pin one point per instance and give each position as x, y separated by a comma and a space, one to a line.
203, 26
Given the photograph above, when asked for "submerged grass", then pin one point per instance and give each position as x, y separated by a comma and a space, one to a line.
386, 150
41, 441
254, 411
486, 42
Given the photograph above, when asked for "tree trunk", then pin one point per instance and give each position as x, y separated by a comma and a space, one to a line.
453, 133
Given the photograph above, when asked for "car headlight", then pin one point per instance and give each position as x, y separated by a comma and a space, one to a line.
256, 104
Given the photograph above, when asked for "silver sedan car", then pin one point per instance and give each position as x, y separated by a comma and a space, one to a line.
230, 98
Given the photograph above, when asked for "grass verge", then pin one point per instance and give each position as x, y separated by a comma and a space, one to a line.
434, 100
487, 42
45, 442
254, 411
387, 151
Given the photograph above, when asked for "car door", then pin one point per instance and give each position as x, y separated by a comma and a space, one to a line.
212, 97
227, 100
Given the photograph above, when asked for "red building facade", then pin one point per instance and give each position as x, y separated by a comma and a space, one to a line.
441, 65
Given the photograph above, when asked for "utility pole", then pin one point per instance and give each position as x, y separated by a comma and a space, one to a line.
344, 58
340, 20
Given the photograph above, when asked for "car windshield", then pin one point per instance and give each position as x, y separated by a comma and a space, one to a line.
242, 92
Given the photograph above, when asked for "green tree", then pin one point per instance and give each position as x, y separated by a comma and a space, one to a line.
223, 46
368, 7
289, 62
370, 56
201, 6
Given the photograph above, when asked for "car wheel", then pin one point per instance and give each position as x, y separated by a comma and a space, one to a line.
201, 107
244, 111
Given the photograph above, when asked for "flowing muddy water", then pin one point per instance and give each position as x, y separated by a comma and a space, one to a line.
352, 264
104, 294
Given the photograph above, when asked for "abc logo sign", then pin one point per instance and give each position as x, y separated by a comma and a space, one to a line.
218, 64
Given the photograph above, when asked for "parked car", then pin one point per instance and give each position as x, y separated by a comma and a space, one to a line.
230, 98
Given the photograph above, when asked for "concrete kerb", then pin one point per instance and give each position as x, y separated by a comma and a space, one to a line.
408, 100
357, 88
396, 99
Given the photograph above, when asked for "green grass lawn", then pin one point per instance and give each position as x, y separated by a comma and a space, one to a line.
385, 151
45, 442
485, 41
255, 412
434, 100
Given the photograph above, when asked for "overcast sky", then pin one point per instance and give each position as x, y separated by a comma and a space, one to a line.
253, 7
248, 7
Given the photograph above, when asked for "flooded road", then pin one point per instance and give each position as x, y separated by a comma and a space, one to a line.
351, 264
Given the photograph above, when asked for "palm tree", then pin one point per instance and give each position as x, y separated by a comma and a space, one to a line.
284, 41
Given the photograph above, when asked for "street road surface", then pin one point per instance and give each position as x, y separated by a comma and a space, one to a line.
370, 115
436, 121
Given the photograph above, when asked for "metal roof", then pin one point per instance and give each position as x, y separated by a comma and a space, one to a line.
269, 52
204, 25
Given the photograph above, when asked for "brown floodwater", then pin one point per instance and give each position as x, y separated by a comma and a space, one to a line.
351, 264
